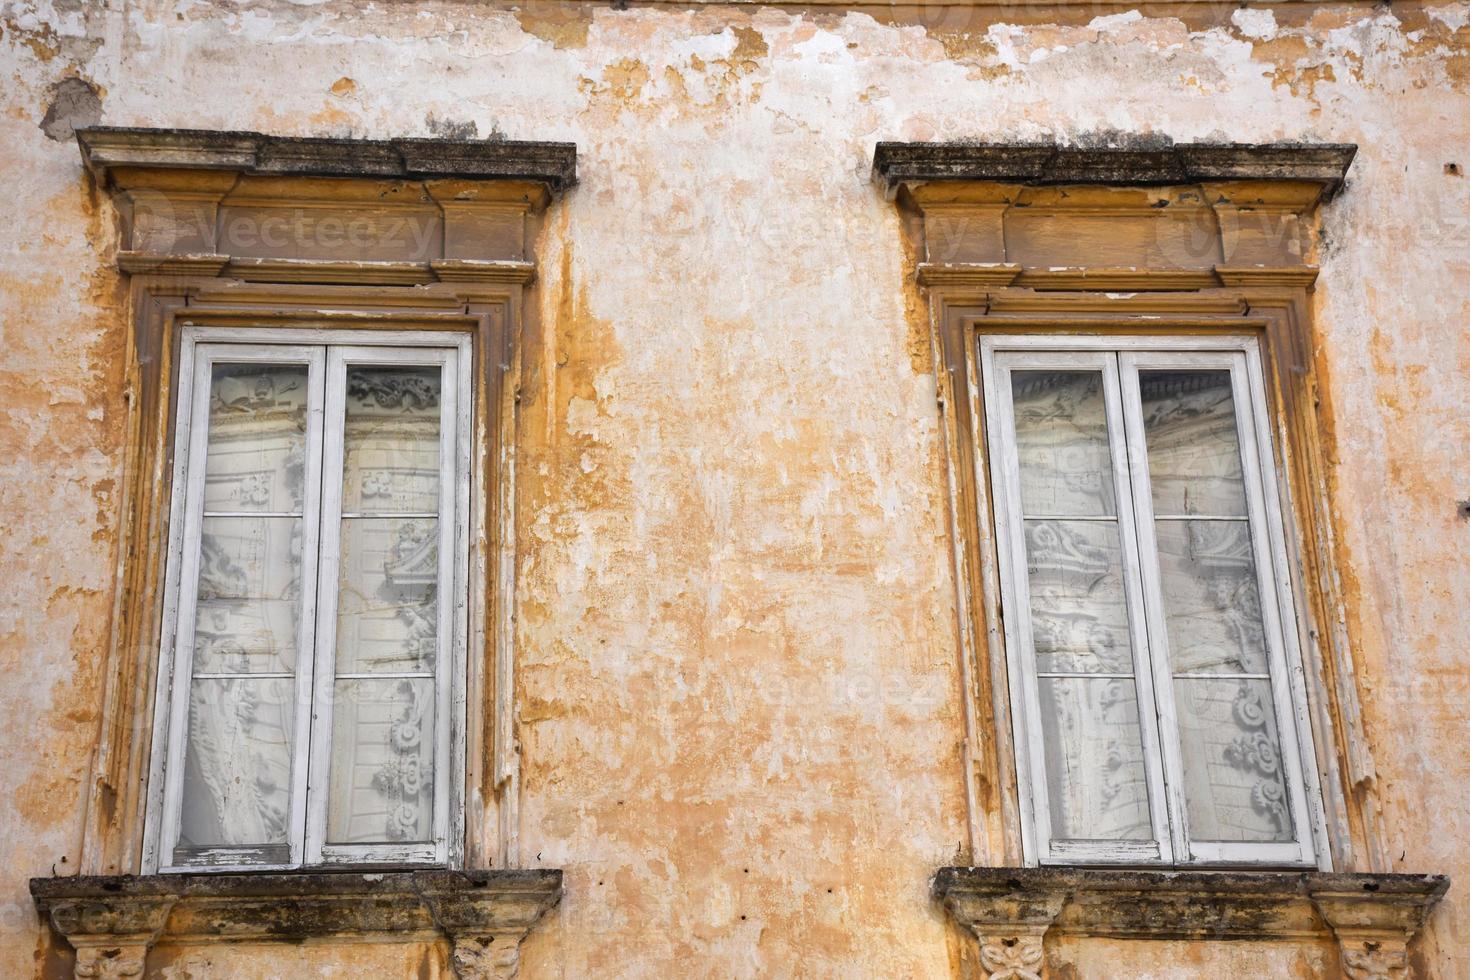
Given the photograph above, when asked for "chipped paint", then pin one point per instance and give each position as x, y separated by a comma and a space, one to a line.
737, 685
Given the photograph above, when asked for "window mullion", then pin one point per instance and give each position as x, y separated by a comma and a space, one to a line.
311, 510
324, 660
1135, 516
1158, 644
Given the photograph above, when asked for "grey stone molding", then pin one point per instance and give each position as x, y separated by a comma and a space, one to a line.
1372, 917
1136, 164
106, 147
112, 921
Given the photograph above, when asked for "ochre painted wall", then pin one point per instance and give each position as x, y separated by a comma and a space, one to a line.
738, 672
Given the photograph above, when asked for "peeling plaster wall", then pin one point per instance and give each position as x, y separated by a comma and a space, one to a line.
738, 694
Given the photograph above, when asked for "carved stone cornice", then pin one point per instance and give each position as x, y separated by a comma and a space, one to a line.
1141, 163
113, 921
1108, 280
346, 272
1143, 216
984, 276
162, 264
489, 272
259, 208
967, 275
1289, 277
107, 147
1373, 917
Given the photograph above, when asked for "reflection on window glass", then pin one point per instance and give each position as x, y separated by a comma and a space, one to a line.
1134, 516
313, 642
257, 438
1096, 780
1234, 786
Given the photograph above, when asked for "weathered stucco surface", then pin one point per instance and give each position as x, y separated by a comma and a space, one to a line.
738, 687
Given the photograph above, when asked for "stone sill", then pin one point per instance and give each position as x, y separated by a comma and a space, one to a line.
115, 920
1373, 917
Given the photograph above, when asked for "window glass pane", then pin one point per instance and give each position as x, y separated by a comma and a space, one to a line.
387, 606
383, 737
1235, 789
1079, 618
257, 438
249, 609
1212, 598
382, 782
1096, 783
237, 768
1193, 448
1234, 782
1062, 444
1097, 786
391, 440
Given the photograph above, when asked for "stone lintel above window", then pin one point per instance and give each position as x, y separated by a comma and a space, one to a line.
112, 921
1144, 215
290, 209
1372, 917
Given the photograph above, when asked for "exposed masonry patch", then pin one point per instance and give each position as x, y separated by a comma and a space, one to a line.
75, 104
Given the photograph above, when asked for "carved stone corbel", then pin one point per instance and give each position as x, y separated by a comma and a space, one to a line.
111, 938
1009, 928
1374, 927
1011, 957
485, 927
488, 956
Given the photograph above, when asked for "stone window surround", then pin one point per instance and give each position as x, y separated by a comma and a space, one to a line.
1113, 239
113, 921
351, 222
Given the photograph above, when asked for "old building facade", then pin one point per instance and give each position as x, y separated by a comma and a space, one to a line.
571, 489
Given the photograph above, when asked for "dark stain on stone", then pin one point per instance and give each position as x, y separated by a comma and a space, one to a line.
74, 104
449, 129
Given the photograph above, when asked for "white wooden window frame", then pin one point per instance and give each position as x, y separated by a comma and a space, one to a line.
327, 353
1119, 358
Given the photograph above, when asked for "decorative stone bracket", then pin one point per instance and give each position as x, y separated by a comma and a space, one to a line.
113, 921
1010, 911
